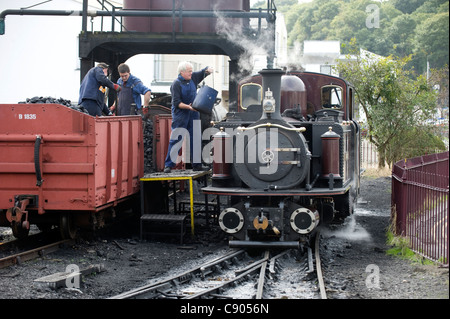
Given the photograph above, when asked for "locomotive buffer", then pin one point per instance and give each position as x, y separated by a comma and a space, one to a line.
175, 175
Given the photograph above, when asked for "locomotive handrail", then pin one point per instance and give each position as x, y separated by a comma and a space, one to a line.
294, 129
37, 160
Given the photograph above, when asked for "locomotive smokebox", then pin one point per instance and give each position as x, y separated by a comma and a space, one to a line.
271, 82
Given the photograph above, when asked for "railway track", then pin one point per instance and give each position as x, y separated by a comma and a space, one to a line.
160, 288
29, 249
236, 275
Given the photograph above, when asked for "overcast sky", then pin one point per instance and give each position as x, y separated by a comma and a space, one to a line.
39, 54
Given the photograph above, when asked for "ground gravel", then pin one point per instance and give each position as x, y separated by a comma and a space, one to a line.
356, 265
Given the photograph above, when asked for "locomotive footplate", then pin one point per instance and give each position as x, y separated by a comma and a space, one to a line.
264, 244
176, 175
230, 191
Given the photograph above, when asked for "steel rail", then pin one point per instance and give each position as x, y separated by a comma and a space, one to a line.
323, 293
253, 267
262, 275
271, 262
165, 284
163, 287
31, 254
260, 265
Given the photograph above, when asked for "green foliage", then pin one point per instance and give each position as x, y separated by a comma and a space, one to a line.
408, 34
407, 7
432, 39
395, 104
414, 142
400, 248
418, 29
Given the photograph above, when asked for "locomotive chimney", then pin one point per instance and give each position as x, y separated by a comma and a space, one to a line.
271, 82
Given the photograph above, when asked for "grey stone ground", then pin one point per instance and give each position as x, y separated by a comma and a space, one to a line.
355, 263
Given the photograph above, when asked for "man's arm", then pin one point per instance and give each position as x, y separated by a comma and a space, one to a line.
147, 97
101, 77
198, 76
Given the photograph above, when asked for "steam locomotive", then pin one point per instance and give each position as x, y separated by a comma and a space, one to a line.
288, 160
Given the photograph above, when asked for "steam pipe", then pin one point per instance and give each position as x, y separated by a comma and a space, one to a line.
84, 20
139, 13
132, 13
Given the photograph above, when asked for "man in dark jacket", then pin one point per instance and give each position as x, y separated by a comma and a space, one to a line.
184, 91
130, 93
93, 88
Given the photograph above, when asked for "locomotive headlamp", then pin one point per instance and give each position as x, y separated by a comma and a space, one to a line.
303, 220
231, 220
269, 102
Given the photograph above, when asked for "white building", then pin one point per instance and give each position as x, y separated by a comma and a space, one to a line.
319, 56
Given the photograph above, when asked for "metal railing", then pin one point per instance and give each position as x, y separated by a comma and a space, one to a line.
176, 12
420, 204
369, 154
108, 6
116, 14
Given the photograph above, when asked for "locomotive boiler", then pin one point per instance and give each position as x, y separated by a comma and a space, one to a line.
288, 160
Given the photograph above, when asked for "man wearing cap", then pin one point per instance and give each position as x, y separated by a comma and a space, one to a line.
93, 88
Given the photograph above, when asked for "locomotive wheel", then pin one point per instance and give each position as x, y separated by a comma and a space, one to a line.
67, 226
18, 231
344, 204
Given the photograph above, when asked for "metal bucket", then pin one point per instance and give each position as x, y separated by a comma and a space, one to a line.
205, 99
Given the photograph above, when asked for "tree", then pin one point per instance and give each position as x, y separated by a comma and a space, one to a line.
304, 19
407, 7
439, 78
432, 39
395, 105
401, 33
418, 27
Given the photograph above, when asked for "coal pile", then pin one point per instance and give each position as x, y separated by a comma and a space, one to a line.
149, 165
52, 100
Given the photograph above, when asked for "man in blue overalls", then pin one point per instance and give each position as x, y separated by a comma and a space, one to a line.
129, 97
184, 91
93, 88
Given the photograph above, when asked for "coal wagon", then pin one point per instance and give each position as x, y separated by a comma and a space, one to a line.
59, 166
